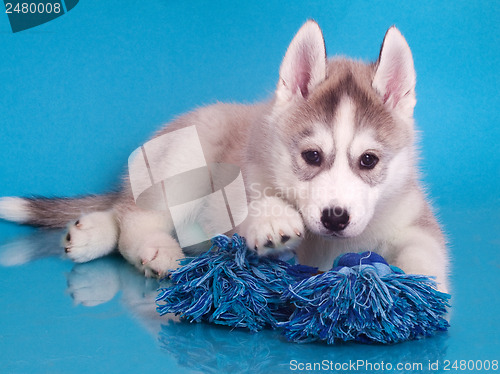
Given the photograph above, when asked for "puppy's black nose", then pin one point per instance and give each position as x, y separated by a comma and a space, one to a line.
335, 219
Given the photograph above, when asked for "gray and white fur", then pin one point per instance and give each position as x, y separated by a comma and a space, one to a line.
329, 164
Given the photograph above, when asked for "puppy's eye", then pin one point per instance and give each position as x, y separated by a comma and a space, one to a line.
368, 161
312, 157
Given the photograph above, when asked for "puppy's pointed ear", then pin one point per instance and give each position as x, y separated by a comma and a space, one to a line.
304, 65
395, 75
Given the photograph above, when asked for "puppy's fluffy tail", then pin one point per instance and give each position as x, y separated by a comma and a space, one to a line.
52, 213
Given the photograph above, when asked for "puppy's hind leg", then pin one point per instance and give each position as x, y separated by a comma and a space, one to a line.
145, 241
93, 235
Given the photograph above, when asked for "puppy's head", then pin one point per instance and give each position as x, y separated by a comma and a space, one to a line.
344, 131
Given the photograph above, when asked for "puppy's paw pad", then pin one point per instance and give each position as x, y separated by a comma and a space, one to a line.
164, 263
76, 244
278, 228
159, 255
91, 236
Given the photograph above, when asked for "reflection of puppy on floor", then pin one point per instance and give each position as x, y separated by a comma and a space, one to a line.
98, 282
92, 283
38, 245
196, 346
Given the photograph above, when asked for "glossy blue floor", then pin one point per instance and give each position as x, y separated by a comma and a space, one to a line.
81, 92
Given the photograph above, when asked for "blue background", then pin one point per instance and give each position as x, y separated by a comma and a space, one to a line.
79, 93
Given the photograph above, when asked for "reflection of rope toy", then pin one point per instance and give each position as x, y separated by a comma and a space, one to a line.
361, 299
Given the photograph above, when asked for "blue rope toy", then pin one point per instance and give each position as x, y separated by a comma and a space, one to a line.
361, 299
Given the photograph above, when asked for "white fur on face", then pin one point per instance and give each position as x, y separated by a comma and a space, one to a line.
339, 187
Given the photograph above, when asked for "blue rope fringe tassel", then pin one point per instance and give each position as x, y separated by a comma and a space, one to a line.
363, 299
231, 285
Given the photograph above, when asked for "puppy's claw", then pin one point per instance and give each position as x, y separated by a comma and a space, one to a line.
154, 273
285, 238
269, 244
297, 232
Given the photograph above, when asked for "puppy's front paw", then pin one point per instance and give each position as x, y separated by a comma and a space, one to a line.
93, 235
273, 226
159, 255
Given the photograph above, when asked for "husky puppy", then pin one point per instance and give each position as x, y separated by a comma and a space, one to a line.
329, 165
